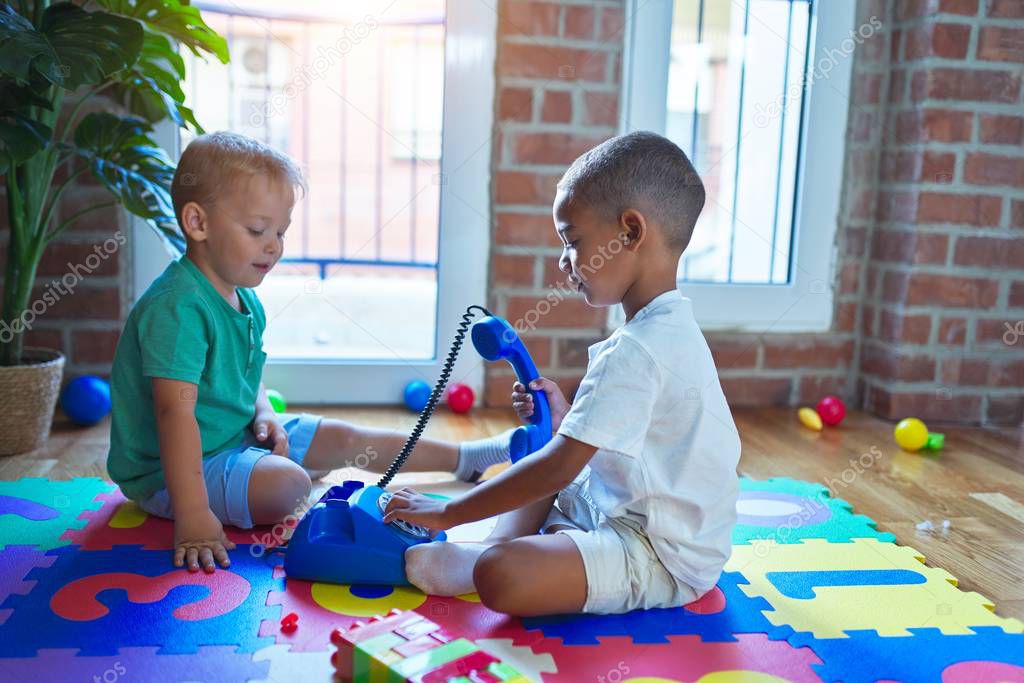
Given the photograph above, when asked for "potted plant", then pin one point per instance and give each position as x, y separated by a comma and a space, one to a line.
51, 53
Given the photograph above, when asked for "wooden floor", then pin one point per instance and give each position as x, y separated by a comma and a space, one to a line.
976, 482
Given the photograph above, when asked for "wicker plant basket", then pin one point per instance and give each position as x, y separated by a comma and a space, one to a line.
30, 395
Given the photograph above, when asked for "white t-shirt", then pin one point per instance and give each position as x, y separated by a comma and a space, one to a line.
667, 445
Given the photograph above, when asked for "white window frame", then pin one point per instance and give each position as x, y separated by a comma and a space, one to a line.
805, 304
464, 233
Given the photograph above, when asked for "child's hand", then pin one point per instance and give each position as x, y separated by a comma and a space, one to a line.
416, 508
522, 400
199, 539
267, 428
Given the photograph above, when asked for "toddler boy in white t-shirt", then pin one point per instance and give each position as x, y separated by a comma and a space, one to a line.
632, 503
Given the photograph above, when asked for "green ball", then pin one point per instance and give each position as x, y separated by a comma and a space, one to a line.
277, 401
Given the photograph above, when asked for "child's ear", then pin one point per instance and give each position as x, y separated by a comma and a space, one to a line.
193, 222
632, 228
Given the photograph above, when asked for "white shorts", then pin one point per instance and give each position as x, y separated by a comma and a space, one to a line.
623, 571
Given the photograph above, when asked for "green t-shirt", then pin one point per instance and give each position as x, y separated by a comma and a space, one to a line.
183, 329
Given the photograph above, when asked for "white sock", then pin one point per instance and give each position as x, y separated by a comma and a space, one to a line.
476, 456
443, 568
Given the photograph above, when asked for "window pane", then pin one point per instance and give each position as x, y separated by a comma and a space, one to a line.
353, 92
735, 96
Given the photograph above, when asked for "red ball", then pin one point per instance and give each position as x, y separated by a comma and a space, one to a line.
831, 410
460, 397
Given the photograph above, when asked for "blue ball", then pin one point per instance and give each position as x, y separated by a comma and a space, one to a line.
417, 393
86, 400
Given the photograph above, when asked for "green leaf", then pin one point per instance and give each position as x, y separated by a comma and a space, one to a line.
162, 63
21, 139
174, 18
151, 87
145, 98
123, 156
156, 47
90, 45
24, 51
72, 47
15, 97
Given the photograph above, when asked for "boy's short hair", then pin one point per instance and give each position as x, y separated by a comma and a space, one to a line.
217, 161
640, 170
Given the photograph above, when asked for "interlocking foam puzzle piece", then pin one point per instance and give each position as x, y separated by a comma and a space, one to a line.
983, 672
293, 666
324, 607
927, 655
219, 663
524, 659
36, 511
683, 658
16, 561
717, 616
103, 600
847, 605
120, 521
786, 510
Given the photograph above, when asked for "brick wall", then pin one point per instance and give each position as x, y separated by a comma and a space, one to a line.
557, 87
930, 257
947, 251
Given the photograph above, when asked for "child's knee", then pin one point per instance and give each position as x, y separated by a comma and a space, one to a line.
494, 577
297, 484
277, 489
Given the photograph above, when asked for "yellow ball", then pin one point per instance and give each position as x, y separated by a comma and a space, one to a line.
809, 418
911, 434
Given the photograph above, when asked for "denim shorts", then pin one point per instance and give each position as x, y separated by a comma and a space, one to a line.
227, 473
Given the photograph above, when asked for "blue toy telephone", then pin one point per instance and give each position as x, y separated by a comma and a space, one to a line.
342, 539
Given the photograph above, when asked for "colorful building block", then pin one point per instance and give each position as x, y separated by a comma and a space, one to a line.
406, 647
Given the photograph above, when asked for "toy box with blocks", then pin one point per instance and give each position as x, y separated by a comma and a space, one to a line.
406, 646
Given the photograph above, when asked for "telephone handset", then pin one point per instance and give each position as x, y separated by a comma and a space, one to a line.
495, 339
342, 538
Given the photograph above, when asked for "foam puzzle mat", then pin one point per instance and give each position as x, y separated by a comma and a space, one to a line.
812, 592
